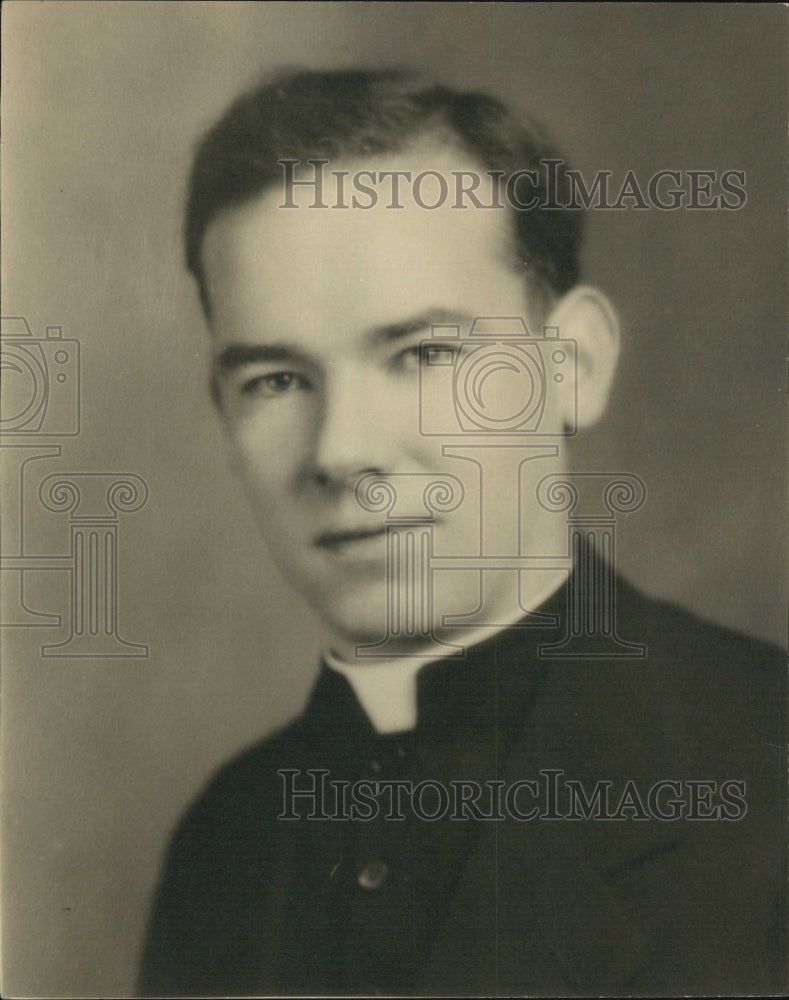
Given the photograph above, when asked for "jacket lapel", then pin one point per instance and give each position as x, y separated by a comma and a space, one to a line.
541, 906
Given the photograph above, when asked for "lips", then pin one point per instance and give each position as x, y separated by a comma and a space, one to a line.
340, 540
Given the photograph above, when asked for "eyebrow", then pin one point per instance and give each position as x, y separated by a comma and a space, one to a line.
433, 317
236, 356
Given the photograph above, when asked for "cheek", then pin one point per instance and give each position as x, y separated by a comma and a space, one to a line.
427, 451
264, 468
268, 449
405, 420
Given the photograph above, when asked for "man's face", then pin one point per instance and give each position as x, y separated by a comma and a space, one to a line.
317, 316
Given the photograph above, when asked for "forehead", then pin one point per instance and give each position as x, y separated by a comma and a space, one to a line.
307, 264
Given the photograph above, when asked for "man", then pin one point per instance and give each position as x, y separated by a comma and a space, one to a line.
512, 776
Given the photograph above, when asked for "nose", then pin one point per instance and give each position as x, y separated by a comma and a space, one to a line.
351, 436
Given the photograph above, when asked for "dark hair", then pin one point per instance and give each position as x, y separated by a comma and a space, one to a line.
306, 115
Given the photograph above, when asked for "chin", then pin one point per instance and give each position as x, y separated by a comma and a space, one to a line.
355, 618
357, 614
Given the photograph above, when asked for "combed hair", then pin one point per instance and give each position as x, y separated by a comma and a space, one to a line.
305, 114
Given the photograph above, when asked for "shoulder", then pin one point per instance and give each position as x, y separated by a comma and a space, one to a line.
245, 787
671, 628
216, 877
701, 694
705, 663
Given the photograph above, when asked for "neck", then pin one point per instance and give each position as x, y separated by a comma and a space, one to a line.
499, 609
386, 688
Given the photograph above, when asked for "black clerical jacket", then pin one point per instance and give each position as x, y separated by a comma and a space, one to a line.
628, 835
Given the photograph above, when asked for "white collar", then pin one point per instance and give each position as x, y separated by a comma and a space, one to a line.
386, 689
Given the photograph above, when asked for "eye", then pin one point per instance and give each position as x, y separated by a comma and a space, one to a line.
407, 360
274, 384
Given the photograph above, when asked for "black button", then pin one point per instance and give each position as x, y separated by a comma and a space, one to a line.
373, 875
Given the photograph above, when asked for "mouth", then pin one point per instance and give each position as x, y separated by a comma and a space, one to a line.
362, 544
352, 541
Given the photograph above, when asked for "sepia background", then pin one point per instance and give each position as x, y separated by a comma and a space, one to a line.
101, 106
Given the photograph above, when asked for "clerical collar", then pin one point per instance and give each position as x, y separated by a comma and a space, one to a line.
387, 689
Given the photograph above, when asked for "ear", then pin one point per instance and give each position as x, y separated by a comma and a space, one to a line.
587, 317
